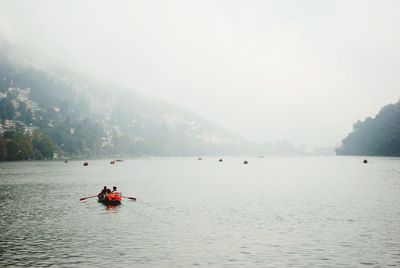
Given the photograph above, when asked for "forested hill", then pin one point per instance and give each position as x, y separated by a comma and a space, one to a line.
378, 136
45, 115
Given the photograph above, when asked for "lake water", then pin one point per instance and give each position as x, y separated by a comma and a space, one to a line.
273, 212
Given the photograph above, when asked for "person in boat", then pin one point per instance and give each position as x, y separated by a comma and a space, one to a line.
103, 192
114, 189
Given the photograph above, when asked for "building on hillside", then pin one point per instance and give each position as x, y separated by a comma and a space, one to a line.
9, 124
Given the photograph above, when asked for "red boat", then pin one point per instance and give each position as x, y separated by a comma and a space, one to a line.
113, 199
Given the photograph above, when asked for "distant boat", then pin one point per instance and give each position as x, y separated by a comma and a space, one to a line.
85, 164
119, 160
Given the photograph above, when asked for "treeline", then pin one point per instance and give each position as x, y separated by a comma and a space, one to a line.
379, 136
68, 139
15, 145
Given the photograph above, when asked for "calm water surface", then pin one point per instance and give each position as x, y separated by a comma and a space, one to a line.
273, 212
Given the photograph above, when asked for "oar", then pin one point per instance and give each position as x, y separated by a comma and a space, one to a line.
84, 198
131, 198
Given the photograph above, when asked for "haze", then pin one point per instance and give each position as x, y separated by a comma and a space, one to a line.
301, 71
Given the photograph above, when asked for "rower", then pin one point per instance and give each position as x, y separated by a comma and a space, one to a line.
114, 189
103, 192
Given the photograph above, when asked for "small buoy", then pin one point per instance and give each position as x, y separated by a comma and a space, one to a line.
66, 161
245, 162
220, 160
86, 164
365, 161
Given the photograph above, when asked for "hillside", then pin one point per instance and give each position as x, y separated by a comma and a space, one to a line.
43, 113
378, 136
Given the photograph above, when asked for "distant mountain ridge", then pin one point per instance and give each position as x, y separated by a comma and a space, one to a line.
46, 115
379, 136
84, 119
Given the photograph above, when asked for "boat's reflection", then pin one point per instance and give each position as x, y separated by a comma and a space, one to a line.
111, 208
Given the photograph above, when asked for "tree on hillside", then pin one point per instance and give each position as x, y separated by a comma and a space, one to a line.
375, 136
43, 146
2, 149
19, 148
7, 110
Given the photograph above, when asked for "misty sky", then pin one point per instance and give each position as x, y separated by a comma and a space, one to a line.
301, 71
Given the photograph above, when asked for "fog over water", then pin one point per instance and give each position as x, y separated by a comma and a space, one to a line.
301, 71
